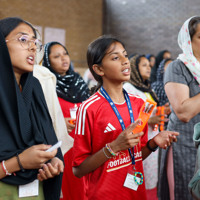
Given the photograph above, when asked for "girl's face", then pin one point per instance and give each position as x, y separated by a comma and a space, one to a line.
152, 61
144, 68
196, 42
59, 59
22, 59
115, 65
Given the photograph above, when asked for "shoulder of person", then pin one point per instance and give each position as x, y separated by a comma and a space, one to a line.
130, 88
127, 85
176, 66
93, 102
37, 85
91, 107
136, 98
176, 63
177, 71
42, 73
77, 74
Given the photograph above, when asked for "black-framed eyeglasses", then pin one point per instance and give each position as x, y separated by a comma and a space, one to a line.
26, 42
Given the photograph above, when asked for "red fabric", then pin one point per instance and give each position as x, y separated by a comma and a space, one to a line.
152, 194
97, 125
73, 188
66, 105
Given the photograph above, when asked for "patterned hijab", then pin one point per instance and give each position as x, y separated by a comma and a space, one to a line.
136, 78
158, 86
70, 87
24, 122
187, 57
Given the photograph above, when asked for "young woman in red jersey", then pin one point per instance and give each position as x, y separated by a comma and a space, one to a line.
105, 150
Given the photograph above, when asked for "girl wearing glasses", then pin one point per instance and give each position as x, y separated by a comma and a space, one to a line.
26, 127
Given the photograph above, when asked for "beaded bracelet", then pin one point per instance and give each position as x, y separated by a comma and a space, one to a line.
141, 179
5, 169
105, 153
110, 150
19, 163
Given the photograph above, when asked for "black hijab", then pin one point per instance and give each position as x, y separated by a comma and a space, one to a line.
159, 59
70, 87
24, 122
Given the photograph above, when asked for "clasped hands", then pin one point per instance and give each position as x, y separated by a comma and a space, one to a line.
36, 157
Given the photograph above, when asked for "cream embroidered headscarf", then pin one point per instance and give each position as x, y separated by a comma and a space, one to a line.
187, 57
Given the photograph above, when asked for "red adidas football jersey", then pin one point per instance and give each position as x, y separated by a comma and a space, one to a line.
97, 125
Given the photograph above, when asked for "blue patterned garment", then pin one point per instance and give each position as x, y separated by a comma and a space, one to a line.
158, 86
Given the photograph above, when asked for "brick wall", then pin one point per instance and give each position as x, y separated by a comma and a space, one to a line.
82, 20
145, 26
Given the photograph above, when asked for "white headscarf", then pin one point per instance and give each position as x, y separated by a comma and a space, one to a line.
48, 83
187, 57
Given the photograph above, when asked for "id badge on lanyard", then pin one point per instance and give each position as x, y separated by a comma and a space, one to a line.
133, 178
29, 190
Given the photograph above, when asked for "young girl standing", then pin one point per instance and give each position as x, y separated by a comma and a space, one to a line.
26, 127
104, 148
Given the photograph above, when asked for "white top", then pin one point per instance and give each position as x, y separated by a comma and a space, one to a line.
89, 79
133, 90
48, 83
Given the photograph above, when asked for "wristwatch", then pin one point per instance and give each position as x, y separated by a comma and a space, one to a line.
150, 148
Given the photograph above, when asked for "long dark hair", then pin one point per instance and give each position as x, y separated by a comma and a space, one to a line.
96, 52
137, 62
193, 26
10, 23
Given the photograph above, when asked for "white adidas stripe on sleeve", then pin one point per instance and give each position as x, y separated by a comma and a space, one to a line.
80, 128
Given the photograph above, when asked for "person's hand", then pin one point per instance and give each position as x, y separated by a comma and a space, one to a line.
70, 126
167, 109
165, 138
157, 119
126, 139
35, 156
49, 170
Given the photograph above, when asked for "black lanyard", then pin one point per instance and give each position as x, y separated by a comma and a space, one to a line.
107, 97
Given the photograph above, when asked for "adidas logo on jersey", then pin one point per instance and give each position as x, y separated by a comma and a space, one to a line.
109, 128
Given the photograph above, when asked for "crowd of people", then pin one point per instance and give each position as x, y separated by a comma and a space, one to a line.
44, 100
